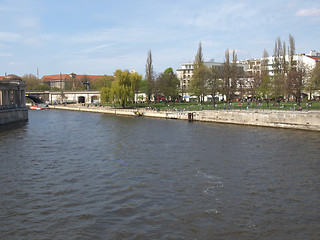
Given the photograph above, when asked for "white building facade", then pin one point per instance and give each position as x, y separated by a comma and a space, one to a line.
185, 75
252, 68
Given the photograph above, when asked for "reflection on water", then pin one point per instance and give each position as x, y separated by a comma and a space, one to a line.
73, 175
12, 126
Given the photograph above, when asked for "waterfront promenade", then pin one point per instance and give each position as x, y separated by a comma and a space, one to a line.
304, 120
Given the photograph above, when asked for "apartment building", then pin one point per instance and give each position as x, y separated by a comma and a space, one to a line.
185, 74
251, 68
60, 80
305, 61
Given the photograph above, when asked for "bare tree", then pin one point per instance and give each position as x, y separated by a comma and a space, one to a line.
314, 80
149, 77
293, 73
278, 77
214, 83
292, 49
234, 75
296, 76
264, 87
200, 76
227, 74
31, 81
198, 60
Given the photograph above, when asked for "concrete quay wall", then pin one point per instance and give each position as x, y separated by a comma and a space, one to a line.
283, 119
13, 115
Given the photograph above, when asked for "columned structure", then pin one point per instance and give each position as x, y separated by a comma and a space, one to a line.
12, 100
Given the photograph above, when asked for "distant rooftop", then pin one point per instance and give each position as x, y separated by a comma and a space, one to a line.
313, 53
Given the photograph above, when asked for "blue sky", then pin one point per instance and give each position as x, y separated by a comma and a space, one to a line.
98, 37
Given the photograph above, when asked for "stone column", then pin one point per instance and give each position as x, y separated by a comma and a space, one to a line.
23, 98
18, 98
10, 97
15, 98
6, 98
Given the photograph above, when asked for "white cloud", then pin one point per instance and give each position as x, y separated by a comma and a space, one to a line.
215, 16
9, 37
95, 49
28, 22
5, 54
111, 35
33, 41
209, 43
312, 12
17, 63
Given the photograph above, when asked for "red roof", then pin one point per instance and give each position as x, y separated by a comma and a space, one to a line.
48, 78
92, 77
2, 77
317, 59
66, 77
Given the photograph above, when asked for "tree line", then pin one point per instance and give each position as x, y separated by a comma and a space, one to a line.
287, 80
228, 79
33, 83
162, 87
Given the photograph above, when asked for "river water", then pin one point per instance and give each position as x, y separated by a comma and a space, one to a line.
76, 175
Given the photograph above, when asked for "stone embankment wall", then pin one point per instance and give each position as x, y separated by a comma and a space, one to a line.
12, 100
284, 119
13, 115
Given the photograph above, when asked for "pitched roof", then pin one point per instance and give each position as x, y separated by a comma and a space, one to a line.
48, 78
66, 77
317, 59
92, 77
8, 76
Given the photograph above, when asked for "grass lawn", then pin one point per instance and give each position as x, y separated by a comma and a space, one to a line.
194, 106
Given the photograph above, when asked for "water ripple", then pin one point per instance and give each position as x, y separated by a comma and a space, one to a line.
140, 178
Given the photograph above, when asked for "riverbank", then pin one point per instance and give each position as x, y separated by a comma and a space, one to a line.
304, 120
8, 116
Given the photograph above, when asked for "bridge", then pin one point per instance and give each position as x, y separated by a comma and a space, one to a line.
12, 100
64, 97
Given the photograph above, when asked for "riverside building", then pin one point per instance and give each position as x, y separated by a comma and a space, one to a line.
251, 68
185, 75
12, 100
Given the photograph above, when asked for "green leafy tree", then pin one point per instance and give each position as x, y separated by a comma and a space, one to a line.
105, 94
101, 82
55, 89
262, 85
41, 87
200, 76
168, 85
143, 86
124, 87
313, 83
